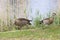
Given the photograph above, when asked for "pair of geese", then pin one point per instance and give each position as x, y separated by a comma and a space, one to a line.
22, 21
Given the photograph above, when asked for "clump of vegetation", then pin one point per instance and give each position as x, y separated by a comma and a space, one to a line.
37, 19
36, 22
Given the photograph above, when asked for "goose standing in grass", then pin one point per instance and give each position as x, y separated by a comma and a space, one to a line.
48, 21
22, 22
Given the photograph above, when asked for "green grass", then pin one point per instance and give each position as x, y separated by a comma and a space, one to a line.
51, 32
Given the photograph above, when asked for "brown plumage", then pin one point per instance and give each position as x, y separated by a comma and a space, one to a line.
22, 22
48, 21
